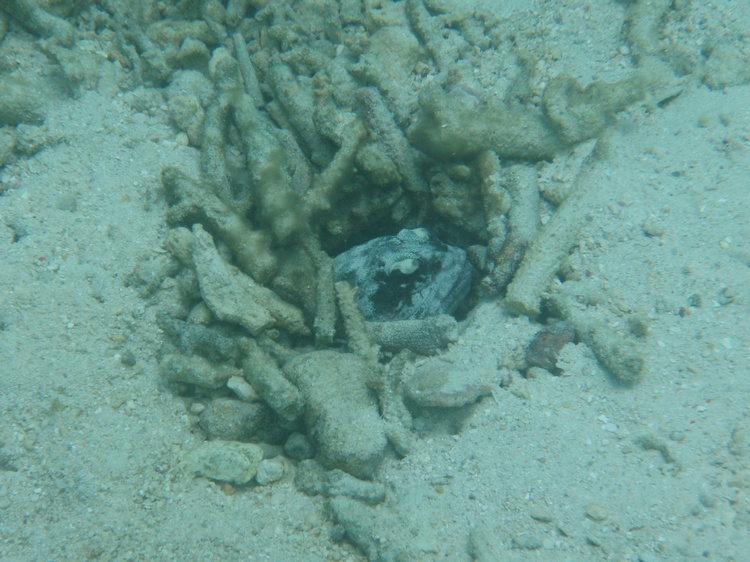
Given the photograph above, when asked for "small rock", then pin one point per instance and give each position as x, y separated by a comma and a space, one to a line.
299, 447
527, 542
537, 373
739, 444
193, 53
269, 471
708, 500
128, 358
653, 226
338, 533
224, 461
639, 325
596, 512
726, 296
520, 390
541, 515
546, 345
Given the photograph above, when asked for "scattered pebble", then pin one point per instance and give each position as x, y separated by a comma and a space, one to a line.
128, 358
527, 542
739, 444
197, 408
537, 373
541, 515
269, 471
596, 512
726, 296
653, 227
708, 500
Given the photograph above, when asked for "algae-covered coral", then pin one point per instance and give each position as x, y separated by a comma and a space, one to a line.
323, 125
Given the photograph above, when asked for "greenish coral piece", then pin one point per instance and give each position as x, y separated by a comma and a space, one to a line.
388, 63
450, 128
213, 162
516, 187
211, 342
192, 201
454, 126
426, 336
544, 257
325, 296
235, 297
247, 70
295, 94
429, 32
195, 370
280, 208
383, 126
326, 187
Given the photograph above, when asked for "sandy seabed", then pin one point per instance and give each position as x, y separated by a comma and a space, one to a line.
573, 467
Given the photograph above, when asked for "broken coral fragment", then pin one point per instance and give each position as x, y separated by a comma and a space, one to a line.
234, 297
195, 370
341, 415
439, 383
